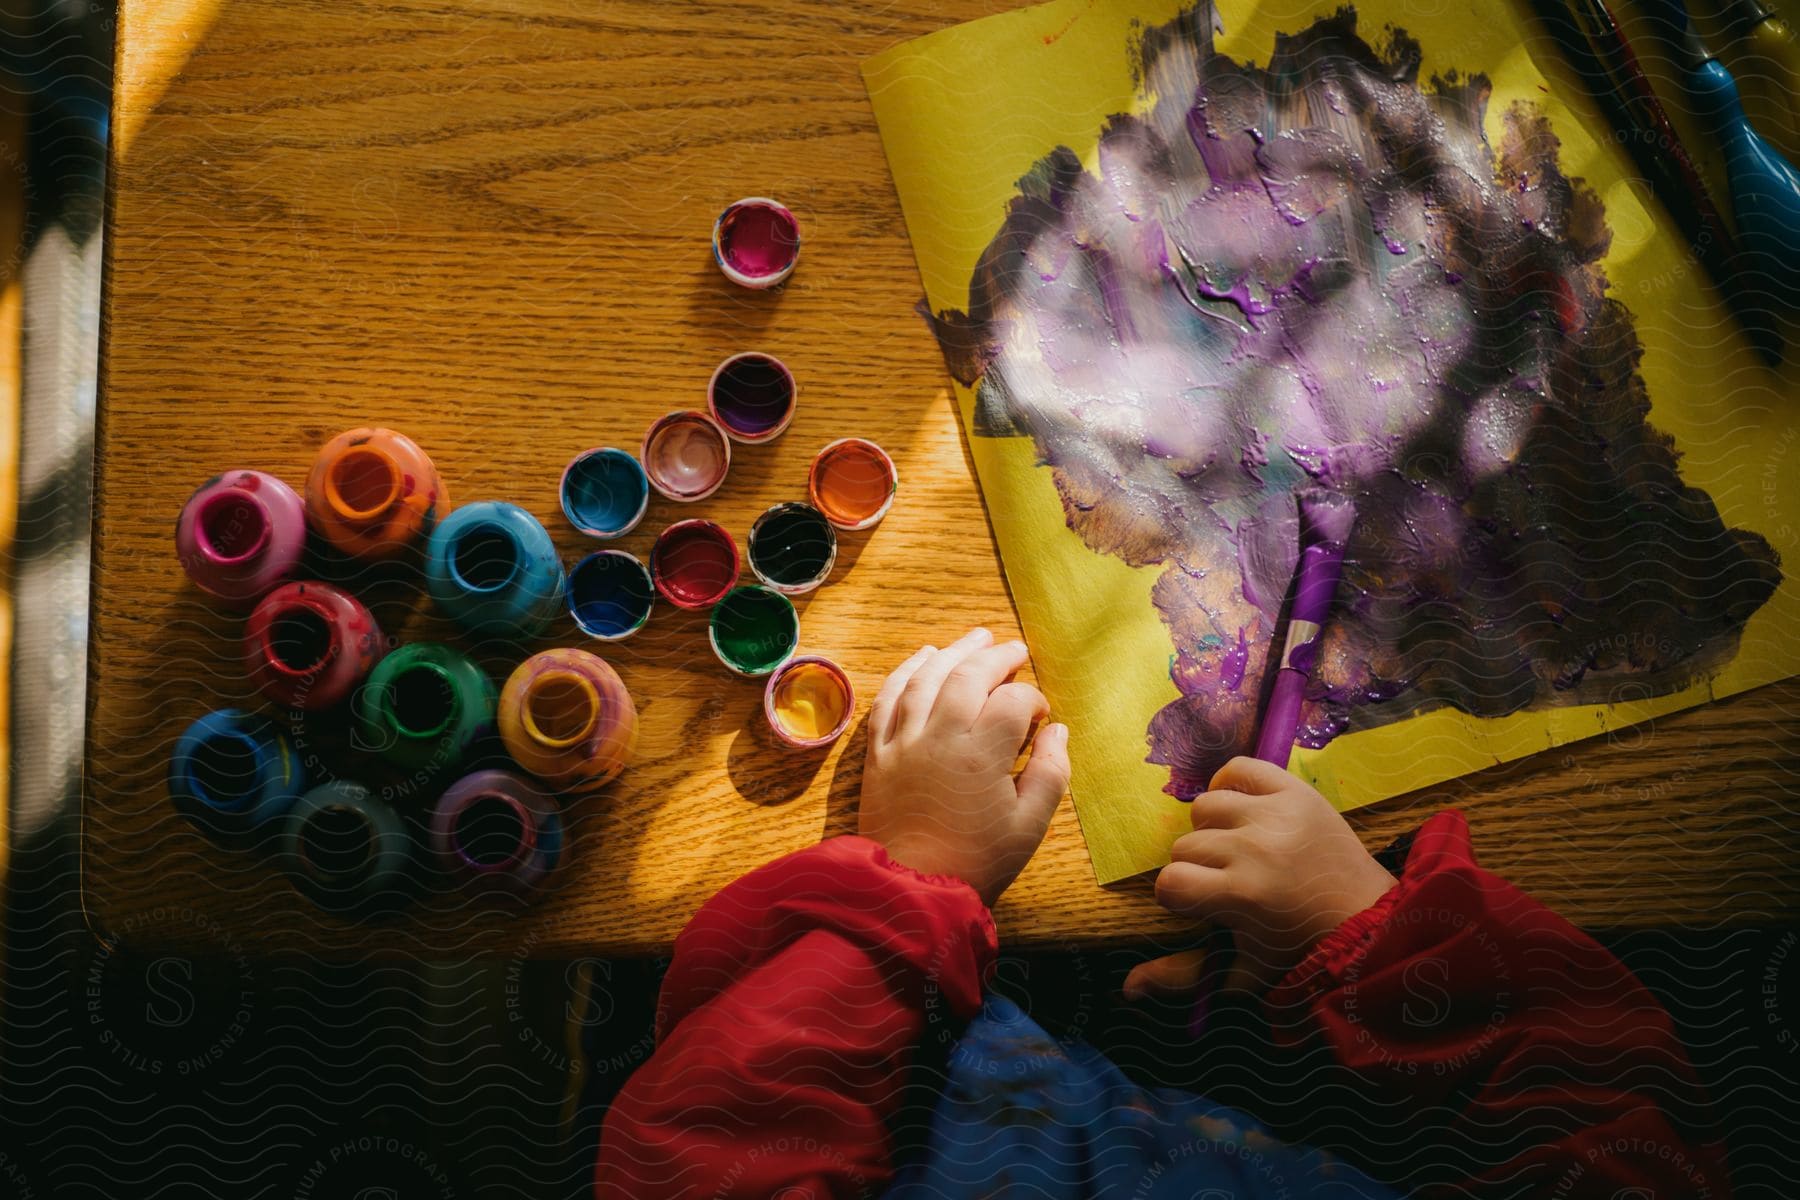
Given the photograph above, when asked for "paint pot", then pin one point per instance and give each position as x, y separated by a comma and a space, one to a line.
424, 707
756, 242
754, 630
686, 455
492, 567
566, 717
346, 850
233, 774
610, 595
853, 483
604, 492
809, 701
241, 534
372, 494
694, 563
307, 645
792, 548
494, 831
752, 396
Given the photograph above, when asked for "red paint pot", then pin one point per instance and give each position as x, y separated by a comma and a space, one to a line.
752, 397
694, 563
756, 242
308, 645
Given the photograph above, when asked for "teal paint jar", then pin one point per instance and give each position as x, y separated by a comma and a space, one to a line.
492, 567
346, 850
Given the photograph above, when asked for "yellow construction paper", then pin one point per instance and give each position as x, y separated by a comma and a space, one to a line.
965, 112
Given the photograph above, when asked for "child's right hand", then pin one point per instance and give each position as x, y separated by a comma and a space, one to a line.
1273, 861
938, 789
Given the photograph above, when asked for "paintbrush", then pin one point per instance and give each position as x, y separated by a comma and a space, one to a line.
1596, 48
1325, 521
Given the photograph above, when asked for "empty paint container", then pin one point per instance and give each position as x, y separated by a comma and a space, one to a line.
753, 630
756, 242
752, 396
233, 773
372, 494
686, 455
694, 563
346, 850
809, 701
566, 717
424, 707
492, 568
493, 831
307, 645
852, 482
604, 492
610, 595
241, 534
792, 548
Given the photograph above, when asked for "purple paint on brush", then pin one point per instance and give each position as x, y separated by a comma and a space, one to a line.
1325, 521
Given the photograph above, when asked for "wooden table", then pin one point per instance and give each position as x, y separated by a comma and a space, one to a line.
487, 225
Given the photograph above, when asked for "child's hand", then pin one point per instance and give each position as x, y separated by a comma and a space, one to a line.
1270, 859
938, 789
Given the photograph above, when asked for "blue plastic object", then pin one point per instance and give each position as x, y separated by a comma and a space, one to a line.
232, 773
346, 850
1765, 188
493, 569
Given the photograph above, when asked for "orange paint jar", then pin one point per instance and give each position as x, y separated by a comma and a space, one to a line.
373, 494
852, 482
566, 717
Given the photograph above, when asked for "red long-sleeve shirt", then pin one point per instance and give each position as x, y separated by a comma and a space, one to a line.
1531, 1061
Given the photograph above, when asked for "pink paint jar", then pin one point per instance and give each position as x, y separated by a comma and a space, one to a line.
307, 645
756, 242
241, 534
493, 831
686, 455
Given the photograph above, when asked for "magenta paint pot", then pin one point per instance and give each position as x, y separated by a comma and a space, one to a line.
494, 831
241, 534
686, 455
694, 563
756, 242
752, 396
308, 645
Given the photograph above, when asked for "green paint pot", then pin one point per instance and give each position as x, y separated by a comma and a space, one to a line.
424, 706
754, 630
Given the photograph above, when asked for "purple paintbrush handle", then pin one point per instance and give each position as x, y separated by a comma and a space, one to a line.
1315, 582
1281, 719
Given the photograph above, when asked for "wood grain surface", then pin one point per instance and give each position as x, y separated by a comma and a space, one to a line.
487, 225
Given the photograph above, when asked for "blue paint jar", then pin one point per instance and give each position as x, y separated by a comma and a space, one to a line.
610, 595
232, 774
492, 567
347, 850
604, 492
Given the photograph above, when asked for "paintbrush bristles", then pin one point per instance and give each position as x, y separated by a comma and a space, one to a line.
1325, 516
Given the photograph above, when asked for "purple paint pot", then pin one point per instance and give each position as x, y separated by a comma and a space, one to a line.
686, 455
756, 242
495, 832
241, 534
752, 397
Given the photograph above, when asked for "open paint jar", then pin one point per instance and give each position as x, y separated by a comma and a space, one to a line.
809, 701
694, 563
754, 630
686, 455
604, 492
853, 483
792, 548
610, 595
756, 242
752, 397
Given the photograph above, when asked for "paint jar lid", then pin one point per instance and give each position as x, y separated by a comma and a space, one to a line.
792, 548
756, 242
809, 701
686, 455
852, 482
610, 595
694, 563
604, 492
753, 630
752, 396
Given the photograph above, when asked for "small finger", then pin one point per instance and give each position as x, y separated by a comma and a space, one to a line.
1219, 810
1010, 712
881, 711
1252, 776
920, 694
1171, 977
967, 687
1045, 778
1191, 890
1204, 848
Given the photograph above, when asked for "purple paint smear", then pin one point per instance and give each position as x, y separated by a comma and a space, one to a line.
1319, 274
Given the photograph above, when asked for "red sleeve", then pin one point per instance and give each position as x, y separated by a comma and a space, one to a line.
786, 1021
1513, 1047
